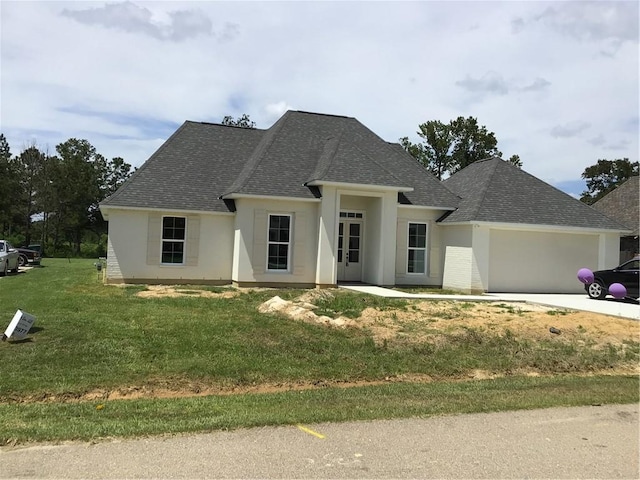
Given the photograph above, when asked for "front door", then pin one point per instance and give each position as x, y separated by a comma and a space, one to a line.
350, 251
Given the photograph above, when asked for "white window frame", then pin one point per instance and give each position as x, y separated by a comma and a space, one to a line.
289, 243
183, 241
424, 249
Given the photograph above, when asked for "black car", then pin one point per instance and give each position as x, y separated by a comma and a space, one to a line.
28, 256
626, 274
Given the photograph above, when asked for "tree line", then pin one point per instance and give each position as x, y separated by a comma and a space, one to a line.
52, 199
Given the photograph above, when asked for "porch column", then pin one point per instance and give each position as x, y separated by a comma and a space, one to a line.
326, 266
388, 232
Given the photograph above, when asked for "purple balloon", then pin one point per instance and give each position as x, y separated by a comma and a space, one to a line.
617, 290
585, 276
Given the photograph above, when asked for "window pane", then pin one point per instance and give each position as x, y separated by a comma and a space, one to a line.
278, 256
354, 256
416, 262
417, 235
172, 252
354, 229
279, 228
173, 228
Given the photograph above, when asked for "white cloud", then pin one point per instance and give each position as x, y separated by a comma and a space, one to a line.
569, 130
131, 18
490, 83
611, 20
124, 75
276, 110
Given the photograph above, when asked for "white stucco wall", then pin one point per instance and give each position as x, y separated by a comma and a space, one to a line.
250, 241
128, 245
435, 249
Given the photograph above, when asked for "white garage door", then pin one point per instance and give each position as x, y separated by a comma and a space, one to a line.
539, 262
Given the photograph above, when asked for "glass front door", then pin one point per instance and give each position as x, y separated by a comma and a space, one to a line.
350, 251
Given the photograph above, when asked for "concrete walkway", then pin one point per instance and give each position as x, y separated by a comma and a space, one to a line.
609, 306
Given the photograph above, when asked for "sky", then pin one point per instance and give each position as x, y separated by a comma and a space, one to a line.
557, 82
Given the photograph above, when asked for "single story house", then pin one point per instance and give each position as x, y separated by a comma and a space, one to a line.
320, 199
623, 205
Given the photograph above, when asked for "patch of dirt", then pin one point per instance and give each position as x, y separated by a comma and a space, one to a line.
175, 388
428, 320
172, 291
302, 310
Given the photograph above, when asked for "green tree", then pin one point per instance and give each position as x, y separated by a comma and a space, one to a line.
515, 160
76, 184
29, 165
447, 148
434, 152
606, 175
244, 121
472, 142
9, 188
111, 175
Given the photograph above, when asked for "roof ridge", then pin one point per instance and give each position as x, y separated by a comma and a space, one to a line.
389, 147
327, 156
257, 155
321, 114
218, 124
339, 142
486, 185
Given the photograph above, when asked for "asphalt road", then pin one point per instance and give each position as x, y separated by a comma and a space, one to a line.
584, 442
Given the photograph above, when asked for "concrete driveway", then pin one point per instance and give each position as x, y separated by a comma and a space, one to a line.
572, 301
608, 306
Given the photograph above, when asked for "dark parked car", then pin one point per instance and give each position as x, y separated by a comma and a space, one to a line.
626, 274
28, 256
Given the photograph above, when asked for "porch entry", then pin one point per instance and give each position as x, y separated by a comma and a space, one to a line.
350, 233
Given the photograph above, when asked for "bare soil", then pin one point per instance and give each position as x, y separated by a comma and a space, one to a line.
428, 320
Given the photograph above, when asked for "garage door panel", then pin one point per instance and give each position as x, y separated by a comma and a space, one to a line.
539, 262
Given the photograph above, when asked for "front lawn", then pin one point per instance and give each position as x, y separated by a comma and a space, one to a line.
93, 343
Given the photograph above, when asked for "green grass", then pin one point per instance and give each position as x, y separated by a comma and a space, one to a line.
126, 418
429, 290
89, 336
351, 305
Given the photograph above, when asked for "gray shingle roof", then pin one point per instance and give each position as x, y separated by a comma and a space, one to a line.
622, 204
202, 162
190, 170
493, 190
306, 147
